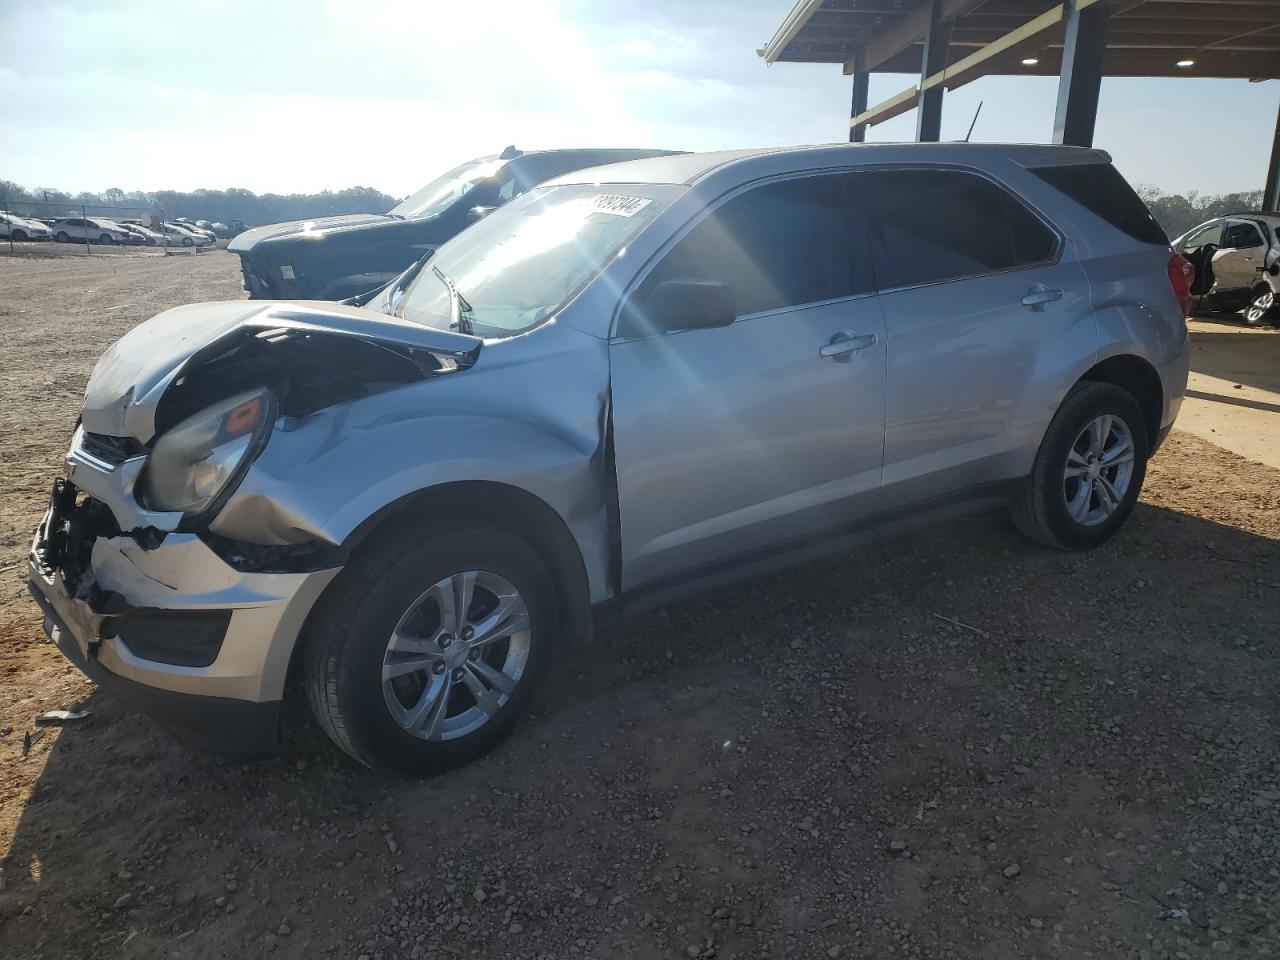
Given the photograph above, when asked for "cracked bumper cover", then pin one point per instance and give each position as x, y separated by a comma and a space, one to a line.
230, 705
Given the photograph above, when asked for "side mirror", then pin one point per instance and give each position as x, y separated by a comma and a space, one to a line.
675, 305
479, 213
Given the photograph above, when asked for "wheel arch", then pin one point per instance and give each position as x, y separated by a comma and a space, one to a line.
1139, 379
512, 508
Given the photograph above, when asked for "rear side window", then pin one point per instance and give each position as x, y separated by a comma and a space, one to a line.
778, 245
1099, 188
945, 224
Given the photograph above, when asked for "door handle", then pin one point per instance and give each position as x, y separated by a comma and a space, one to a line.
844, 344
1040, 296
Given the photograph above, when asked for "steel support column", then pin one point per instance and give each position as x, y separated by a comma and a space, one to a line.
1271, 192
1081, 79
936, 40
861, 80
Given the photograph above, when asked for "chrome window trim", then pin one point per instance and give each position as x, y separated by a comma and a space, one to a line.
1060, 238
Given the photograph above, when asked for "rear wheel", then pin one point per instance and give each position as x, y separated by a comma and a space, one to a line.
19, 235
62, 236
424, 654
1089, 469
1262, 308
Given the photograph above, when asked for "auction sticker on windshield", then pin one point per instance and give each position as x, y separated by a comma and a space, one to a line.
618, 206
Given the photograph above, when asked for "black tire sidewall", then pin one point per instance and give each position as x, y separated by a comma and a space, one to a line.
368, 601
1082, 405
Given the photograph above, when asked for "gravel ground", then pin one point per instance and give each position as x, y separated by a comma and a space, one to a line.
954, 745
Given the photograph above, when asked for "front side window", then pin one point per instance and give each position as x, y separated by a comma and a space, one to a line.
946, 224
1241, 236
527, 259
778, 245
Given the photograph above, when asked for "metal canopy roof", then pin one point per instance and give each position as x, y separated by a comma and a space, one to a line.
1145, 38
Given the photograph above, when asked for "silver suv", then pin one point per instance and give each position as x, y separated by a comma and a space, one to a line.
1237, 262
630, 384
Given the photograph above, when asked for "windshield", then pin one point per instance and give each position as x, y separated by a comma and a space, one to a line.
444, 191
524, 261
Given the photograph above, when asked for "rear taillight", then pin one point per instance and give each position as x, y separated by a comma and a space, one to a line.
1182, 273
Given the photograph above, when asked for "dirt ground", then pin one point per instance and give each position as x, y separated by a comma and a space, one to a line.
956, 745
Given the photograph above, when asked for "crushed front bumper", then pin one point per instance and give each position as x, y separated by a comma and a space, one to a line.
173, 629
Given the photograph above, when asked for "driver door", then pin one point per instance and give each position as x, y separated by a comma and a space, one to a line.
1237, 263
766, 434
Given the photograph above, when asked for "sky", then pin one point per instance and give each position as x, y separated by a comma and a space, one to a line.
289, 96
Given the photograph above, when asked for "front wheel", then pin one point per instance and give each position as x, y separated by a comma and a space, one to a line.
105, 239
62, 236
424, 653
1262, 308
1089, 469
187, 241
19, 235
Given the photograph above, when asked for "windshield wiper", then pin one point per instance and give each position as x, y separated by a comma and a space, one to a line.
458, 306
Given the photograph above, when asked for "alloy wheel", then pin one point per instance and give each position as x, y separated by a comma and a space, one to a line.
456, 655
1099, 470
1260, 306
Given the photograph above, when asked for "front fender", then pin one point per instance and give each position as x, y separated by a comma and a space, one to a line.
531, 416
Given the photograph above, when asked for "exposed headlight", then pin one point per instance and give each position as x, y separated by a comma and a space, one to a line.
195, 462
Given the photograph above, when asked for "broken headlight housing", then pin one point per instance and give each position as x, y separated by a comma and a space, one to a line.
198, 462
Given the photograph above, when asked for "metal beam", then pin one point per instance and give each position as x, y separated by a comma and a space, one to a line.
1271, 192
861, 81
967, 68
908, 31
1080, 81
936, 40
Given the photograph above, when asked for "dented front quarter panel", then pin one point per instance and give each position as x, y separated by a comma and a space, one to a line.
530, 414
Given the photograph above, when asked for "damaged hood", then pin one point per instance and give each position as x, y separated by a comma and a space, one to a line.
131, 377
318, 227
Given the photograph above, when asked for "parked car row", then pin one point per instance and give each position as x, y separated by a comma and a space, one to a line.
15, 227
100, 230
627, 384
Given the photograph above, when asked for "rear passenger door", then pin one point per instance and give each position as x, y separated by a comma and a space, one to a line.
766, 433
984, 305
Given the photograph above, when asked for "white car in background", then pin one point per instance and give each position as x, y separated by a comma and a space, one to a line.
144, 235
182, 236
197, 227
14, 227
70, 229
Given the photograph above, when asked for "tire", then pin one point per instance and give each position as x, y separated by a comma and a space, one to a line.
105, 239
1056, 509
187, 241
1263, 307
391, 587
19, 235
62, 237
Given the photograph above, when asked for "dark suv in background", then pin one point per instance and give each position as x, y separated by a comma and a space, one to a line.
339, 257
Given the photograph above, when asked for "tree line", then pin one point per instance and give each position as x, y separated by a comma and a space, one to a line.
1177, 212
215, 205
